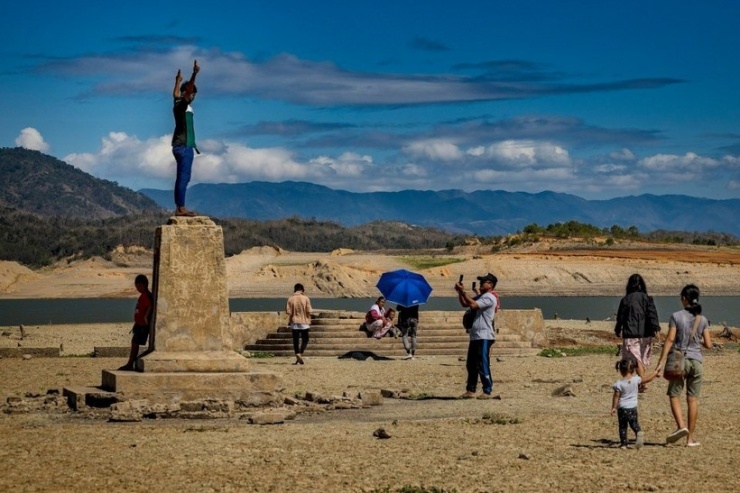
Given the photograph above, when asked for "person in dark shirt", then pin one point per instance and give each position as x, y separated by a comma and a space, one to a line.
183, 138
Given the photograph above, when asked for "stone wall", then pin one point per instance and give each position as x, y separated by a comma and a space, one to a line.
248, 327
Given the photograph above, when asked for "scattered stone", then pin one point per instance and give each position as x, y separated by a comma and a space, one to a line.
389, 394
578, 380
371, 398
524, 455
191, 406
6, 333
381, 434
26, 356
218, 406
32, 395
563, 391
291, 401
128, 411
272, 417
500, 359
23, 332
312, 396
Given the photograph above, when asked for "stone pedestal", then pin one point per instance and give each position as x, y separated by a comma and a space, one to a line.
190, 355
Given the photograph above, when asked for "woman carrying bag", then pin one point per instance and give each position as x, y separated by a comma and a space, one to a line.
688, 331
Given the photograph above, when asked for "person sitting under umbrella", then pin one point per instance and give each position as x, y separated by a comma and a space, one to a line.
376, 319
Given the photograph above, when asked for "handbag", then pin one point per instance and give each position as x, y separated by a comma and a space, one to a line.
674, 363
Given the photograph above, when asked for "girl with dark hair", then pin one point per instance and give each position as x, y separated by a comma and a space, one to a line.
689, 331
637, 324
624, 401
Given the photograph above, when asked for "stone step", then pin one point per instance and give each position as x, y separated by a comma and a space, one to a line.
398, 352
355, 327
349, 345
427, 335
455, 320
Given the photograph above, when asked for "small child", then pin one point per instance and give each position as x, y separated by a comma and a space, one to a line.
624, 401
142, 320
388, 327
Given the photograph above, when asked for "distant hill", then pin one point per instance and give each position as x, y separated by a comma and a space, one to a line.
483, 213
40, 184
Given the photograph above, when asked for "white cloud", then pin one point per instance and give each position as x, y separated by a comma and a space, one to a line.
690, 162
30, 138
436, 150
526, 154
623, 155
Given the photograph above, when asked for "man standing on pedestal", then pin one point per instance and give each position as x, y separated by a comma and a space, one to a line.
183, 138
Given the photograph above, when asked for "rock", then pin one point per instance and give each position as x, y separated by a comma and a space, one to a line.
371, 398
524, 455
499, 359
291, 401
128, 411
191, 406
26, 356
389, 394
563, 391
313, 396
271, 417
218, 406
381, 434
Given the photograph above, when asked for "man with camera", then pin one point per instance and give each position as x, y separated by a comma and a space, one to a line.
482, 335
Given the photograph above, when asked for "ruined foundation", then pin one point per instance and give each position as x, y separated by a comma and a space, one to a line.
190, 355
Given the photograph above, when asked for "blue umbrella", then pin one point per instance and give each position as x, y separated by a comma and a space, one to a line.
404, 287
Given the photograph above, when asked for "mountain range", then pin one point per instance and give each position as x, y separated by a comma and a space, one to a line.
485, 212
36, 183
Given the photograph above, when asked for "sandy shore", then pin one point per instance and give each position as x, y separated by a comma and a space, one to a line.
267, 272
530, 440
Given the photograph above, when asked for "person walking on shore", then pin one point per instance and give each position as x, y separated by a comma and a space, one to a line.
299, 311
183, 137
482, 335
408, 323
688, 330
637, 324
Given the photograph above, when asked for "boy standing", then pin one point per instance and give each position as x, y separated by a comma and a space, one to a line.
183, 137
142, 320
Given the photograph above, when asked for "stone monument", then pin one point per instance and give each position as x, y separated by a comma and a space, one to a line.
190, 355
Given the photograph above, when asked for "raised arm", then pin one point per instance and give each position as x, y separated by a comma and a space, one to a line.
189, 86
463, 298
178, 81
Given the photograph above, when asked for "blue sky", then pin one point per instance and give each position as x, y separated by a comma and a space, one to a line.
597, 99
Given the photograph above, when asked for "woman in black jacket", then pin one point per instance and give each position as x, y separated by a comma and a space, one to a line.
637, 323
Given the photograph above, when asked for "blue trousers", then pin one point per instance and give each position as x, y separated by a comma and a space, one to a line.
184, 158
479, 365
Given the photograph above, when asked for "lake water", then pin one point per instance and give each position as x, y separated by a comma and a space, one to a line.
105, 310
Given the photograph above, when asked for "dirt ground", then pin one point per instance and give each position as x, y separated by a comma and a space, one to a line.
529, 440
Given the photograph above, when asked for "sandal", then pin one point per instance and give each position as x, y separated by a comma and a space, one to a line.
184, 212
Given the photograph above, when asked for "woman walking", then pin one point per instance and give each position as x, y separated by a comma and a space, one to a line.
637, 323
688, 330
